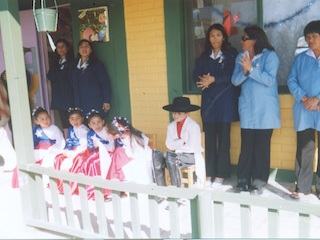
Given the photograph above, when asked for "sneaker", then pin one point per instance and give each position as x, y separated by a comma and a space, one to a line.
208, 183
216, 184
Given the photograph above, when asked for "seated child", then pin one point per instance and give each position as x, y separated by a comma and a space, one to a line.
47, 138
132, 159
76, 141
184, 144
99, 143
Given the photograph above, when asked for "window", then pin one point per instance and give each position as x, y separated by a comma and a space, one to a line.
235, 15
284, 22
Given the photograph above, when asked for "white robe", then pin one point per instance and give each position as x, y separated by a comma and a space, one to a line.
139, 169
190, 142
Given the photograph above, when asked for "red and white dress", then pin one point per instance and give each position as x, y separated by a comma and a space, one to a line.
132, 162
93, 161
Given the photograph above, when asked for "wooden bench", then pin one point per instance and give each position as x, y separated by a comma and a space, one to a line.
152, 140
187, 176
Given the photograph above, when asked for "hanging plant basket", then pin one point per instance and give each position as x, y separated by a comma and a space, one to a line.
46, 18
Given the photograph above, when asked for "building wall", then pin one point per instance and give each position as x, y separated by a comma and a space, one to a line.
149, 90
283, 141
146, 51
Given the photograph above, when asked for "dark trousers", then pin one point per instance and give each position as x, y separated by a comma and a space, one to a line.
217, 149
304, 160
174, 163
254, 160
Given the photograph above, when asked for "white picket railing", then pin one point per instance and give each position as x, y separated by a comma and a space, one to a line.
204, 214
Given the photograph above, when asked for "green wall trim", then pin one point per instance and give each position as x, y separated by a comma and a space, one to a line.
173, 16
176, 40
113, 53
260, 13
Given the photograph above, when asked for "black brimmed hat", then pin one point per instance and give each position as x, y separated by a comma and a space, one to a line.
181, 104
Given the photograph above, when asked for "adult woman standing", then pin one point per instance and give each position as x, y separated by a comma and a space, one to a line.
91, 83
256, 70
212, 73
60, 75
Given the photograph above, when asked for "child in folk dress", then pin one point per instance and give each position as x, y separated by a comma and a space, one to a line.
47, 138
184, 143
94, 160
76, 141
132, 159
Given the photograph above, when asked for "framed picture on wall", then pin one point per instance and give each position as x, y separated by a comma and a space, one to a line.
94, 24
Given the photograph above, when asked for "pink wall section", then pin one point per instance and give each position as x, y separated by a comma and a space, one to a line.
29, 34
28, 29
30, 40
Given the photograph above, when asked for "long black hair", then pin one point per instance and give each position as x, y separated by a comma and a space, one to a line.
124, 126
92, 57
36, 112
69, 56
93, 113
257, 33
225, 44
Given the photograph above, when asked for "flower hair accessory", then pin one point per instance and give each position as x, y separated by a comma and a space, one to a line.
121, 123
74, 109
93, 111
36, 109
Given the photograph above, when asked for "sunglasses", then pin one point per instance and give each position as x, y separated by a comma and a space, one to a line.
246, 38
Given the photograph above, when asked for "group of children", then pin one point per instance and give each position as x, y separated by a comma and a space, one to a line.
116, 150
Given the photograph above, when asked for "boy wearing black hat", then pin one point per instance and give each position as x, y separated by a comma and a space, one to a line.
184, 144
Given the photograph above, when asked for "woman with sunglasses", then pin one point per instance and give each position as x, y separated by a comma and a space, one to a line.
256, 71
212, 73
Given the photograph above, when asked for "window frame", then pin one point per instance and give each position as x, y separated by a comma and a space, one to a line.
188, 85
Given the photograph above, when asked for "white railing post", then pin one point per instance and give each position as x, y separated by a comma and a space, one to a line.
194, 217
205, 221
19, 102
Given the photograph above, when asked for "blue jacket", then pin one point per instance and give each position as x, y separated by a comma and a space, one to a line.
61, 85
304, 80
91, 87
219, 102
259, 101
